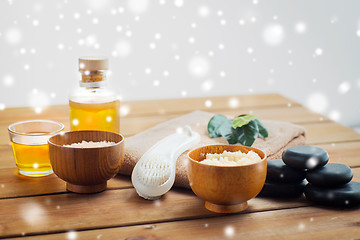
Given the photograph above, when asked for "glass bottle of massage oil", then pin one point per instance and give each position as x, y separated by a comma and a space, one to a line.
92, 105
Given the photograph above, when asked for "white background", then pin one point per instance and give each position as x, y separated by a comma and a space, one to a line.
309, 51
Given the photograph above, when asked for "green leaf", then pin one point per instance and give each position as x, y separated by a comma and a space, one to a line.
244, 129
242, 120
263, 132
218, 125
249, 134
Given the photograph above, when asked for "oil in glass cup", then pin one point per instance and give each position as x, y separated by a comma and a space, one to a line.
30, 146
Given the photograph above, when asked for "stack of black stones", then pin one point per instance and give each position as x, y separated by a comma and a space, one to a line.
328, 183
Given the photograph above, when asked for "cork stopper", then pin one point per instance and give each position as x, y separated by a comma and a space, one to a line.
93, 63
93, 68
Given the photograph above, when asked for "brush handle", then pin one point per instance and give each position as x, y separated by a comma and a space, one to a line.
170, 147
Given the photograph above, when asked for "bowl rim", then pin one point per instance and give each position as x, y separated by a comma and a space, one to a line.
59, 124
197, 162
68, 147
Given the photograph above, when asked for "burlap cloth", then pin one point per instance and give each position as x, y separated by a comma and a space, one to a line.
281, 136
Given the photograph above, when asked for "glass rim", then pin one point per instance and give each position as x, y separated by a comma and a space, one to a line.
61, 127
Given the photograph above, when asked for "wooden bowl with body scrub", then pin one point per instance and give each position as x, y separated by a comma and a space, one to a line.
86, 159
226, 189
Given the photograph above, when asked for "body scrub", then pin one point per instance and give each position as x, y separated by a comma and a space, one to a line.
90, 144
231, 158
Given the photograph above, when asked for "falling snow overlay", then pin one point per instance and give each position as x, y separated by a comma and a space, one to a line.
183, 48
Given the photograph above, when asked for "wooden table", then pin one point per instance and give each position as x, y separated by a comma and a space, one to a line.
41, 208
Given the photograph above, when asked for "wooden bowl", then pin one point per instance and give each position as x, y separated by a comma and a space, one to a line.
86, 170
225, 189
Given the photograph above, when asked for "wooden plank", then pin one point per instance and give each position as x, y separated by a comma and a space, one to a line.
133, 123
329, 132
13, 184
53, 213
183, 105
295, 114
298, 223
346, 153
113, 208
161, 106
318, 132
16, 185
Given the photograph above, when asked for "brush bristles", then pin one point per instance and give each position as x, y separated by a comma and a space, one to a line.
155, 170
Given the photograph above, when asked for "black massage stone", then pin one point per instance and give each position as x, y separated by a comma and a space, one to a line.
347, 195
331, 175
278, 171
305, 157
280, 190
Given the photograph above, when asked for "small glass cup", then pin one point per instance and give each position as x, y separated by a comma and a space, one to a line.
30, 147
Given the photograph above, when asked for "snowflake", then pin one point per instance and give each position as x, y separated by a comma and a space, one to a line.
166, 73
233, 103
312, 162
318, 51
191, 40
33, 214
179, 3
229, 231
124, 110
128, 33
207, 86
300, 27
208, 103
157, 36
335, 115
8, 80
75, 122
13, 36
60, 46
71, 235
138, 6
250, 50
148, 70
241, 22
156, 83
344, 87
301, 227
152, 45
203, 11
199, 66
273, 34
317, 102
36, 22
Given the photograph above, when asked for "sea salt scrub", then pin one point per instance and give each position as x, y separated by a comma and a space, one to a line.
90, 144
231, 158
